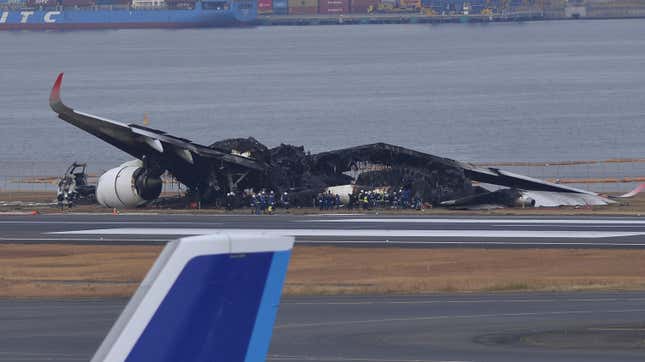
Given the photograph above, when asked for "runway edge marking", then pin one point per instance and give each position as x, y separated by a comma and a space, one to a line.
381, 233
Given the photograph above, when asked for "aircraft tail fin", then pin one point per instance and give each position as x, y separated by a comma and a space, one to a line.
206, 298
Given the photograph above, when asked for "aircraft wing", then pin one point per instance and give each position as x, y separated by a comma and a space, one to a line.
390, 154
509, 179
206, 298
140, 141
640, 188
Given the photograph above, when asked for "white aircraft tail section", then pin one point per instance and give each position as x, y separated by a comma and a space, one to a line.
206, 298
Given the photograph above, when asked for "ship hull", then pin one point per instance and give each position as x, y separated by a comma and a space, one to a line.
88, 19
129, 25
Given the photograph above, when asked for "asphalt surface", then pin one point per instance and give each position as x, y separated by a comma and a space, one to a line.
505, 327
364, 230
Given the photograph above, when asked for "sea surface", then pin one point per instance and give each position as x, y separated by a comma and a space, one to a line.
540, 91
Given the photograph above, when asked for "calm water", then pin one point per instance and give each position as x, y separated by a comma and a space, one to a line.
499, 92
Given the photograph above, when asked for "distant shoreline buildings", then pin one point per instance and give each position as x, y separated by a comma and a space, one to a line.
104, 14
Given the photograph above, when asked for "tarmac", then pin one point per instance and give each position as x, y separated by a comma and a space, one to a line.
475, 327
465, 327
471, 327
349, 229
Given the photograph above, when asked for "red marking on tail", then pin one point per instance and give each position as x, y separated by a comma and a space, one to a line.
54, 97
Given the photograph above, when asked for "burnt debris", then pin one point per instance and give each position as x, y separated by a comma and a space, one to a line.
73, 187
378, 167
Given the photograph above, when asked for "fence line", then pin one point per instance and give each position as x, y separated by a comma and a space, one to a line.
612, 175
560, 163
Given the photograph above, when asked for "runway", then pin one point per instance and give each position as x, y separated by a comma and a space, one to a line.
429, 328
479, 327
356, 229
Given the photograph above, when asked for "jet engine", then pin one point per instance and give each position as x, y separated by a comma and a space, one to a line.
523, 201
128, 186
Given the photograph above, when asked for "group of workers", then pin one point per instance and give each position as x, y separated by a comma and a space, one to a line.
328, 201
401, 199
265, 202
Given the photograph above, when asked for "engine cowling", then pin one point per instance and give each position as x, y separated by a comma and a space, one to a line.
524, 201
127, 186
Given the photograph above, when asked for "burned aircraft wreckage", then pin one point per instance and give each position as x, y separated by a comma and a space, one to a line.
232, 166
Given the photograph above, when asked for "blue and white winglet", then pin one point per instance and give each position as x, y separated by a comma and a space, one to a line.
206, 298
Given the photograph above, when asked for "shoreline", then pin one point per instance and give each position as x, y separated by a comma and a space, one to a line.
416, 18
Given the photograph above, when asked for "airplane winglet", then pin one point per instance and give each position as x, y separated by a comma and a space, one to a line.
54, 97
206, 298
640, 188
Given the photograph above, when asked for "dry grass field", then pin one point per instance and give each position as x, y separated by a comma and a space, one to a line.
27, 196
106, 271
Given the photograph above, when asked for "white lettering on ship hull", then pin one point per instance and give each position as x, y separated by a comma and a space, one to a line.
49, 17
25, 16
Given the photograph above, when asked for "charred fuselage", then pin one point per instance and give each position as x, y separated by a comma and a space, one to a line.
290, 169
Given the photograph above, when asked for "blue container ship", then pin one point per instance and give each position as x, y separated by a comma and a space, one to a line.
202, 13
